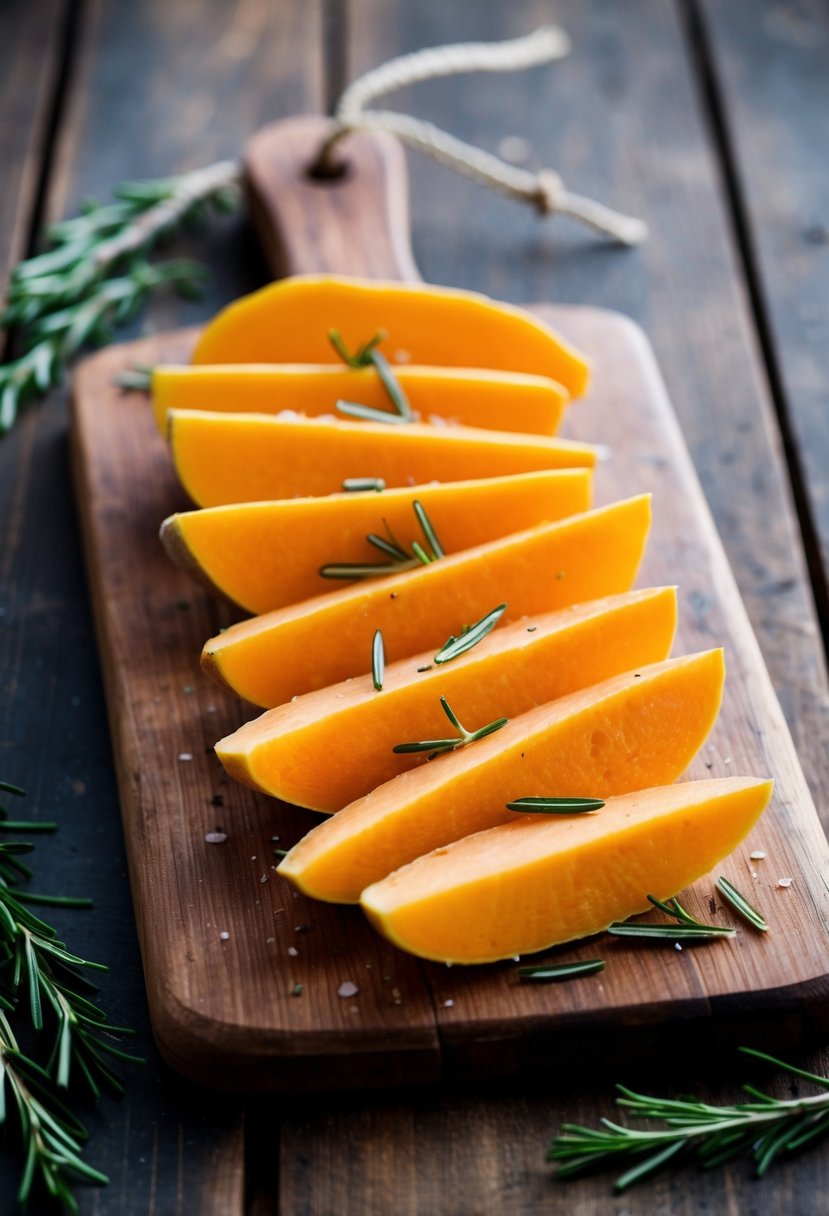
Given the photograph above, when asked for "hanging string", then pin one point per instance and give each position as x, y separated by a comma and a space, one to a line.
544, 190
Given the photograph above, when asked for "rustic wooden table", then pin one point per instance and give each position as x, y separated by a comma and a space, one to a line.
707, 120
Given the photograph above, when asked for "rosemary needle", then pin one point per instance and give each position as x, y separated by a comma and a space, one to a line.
378, 661
456, 646
399, 559
739, 902
555, 806
553, 972
368, 355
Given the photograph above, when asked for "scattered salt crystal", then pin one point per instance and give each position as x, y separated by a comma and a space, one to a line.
603, 451
295, 697
292, 950
215, 837
753, 873
402, 356
211, 709
677, 946
185, 755
263, 878
784, 882
516, 958
757, 855
224, 936
346, 988
448, 1004
269, 941
728, 760
275, 839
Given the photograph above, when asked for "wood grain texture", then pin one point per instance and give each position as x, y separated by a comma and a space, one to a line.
155, 88
225, 1009
770, 62
31, 44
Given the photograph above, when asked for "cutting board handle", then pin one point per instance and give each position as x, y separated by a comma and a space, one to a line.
356, 223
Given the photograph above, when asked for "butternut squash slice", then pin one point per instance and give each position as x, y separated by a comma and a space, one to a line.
288, 322
271, 658
535, 883
266, 555
330, 747
494, 400
634, 730
226, 458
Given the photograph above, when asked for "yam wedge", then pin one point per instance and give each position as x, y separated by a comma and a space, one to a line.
266, 555
289, 321
227, 458
460, 396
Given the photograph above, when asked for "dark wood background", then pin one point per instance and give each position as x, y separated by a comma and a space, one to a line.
708, 119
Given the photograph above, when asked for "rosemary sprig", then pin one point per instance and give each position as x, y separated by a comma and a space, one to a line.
740, 904
469, 637
35, 962
52, 1137
399, 561
97, 275
368, 355
688, 929
555, 806
547, 973
438, 747
768, 1128
378, 661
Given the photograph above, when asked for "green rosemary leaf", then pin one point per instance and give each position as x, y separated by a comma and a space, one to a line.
357, 485
452, 716
362, 356
389, 547
138, 378
741, 904
27, 825
421, 554
671, 933
439, 746
456, 646
8, 788
555, 806
378, 661
552, 972
645, 1168
354, 570
353, 409
55, 901
428, 529
392, 386
815, 1078
675, 909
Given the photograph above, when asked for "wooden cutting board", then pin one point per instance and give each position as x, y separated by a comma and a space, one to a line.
244, 975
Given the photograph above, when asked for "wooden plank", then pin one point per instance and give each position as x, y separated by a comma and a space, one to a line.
769, 63
31, 45
157, 88
226, 1010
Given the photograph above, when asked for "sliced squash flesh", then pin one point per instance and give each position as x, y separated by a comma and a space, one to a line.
481, 397
632, 731
536, 883
281, 654
265, 555
227, 458
332, 746
289, 321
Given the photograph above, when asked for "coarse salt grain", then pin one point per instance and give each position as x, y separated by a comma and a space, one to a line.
677, 946
185, 755
215, 837
757, 855
347, 988
448, 1004
224, 936
292, 950
784, 882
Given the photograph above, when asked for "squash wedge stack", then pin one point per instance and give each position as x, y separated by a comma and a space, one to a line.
330, 747
536, 883
638, 729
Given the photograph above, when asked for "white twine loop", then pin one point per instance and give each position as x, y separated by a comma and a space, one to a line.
544, 190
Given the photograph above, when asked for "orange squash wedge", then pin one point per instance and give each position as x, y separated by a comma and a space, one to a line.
273, 657
494, 400
265, 555
330, 747
226, 458
632, 731
288, 322
535, 883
